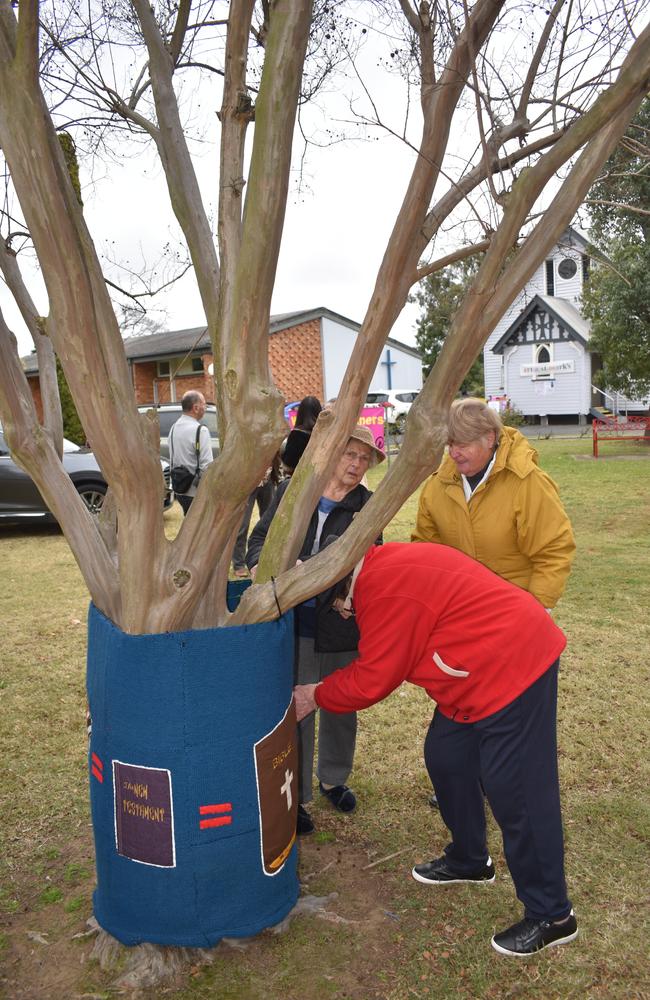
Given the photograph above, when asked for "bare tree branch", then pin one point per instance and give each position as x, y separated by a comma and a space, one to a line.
635, 209
180, 28
52, 419
35, 452
183, 186
452, 258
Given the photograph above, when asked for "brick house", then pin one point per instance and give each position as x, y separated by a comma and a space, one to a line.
308, 353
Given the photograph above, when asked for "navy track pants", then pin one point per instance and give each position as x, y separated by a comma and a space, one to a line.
512, 755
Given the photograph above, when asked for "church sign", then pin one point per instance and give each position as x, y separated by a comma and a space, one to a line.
547, 368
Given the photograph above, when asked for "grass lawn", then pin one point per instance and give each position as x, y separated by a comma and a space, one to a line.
387, 937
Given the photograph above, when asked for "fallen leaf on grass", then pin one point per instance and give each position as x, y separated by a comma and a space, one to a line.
37, 936
334, 918
93, 928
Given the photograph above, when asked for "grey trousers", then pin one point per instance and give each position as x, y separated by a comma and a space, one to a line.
337, 734
263, 495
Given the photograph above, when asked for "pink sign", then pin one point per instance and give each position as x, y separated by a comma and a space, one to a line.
370, 416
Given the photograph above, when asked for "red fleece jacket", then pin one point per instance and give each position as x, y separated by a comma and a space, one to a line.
430, 615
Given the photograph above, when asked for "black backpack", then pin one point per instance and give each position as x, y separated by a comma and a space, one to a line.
181, 477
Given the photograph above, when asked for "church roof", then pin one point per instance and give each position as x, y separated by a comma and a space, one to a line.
571, 322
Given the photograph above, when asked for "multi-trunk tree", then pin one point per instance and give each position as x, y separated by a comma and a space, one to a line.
519, 106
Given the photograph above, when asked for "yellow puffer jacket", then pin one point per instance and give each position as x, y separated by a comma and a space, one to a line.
514, 523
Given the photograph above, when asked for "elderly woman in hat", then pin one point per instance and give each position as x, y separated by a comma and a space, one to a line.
325, 641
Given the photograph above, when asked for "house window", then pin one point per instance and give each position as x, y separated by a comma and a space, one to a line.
585, 268
180, 366
550, 278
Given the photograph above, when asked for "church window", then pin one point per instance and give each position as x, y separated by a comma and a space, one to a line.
550, 278
567, 268
542, 357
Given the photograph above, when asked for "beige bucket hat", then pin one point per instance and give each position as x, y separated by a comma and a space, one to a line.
364, 435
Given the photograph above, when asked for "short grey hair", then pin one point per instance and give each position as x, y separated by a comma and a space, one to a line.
471, 419
190, 399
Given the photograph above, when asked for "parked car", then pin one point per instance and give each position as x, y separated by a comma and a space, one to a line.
396, 401
20, 499
168, 414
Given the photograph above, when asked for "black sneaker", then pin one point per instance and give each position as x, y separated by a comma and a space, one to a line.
305, 823
438, 872
530, 936
341, 797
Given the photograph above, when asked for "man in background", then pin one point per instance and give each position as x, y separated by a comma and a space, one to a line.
185, 448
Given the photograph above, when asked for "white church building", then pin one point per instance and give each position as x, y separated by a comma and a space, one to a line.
538, 355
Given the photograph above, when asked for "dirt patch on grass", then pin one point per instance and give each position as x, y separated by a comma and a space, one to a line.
336, 952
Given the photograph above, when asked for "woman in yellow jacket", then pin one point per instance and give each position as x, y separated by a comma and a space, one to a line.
490, 499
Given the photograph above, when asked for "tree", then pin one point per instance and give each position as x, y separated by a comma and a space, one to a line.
439, 296
619, 201
528, 128
526, 132
616, 297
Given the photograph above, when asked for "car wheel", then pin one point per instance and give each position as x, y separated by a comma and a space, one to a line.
92, 496
400, 423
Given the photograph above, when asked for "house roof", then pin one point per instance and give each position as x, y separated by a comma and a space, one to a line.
151, 346
167, 343
564, 312
195, 340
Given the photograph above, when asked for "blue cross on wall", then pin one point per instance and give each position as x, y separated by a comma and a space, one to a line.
389, 365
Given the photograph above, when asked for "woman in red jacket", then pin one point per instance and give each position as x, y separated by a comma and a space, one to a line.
486, 652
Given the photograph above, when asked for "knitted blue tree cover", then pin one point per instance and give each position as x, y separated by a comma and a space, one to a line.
193, 781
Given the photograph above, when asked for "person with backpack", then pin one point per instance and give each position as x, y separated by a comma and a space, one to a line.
190, 450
